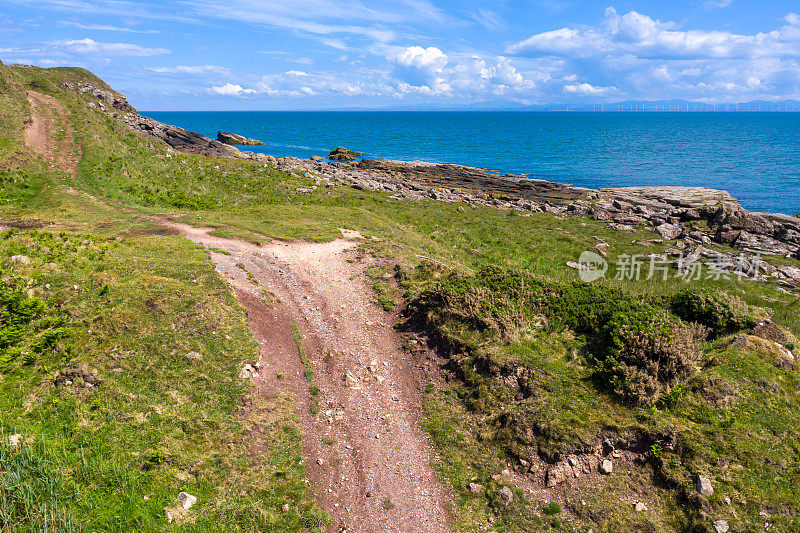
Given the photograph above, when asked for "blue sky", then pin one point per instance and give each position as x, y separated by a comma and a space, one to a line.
318, 54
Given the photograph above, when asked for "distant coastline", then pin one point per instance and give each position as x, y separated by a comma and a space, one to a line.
628, 106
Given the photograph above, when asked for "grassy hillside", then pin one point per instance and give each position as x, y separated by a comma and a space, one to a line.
120, 349
662, 373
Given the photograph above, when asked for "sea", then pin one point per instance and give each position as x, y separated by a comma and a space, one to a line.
754, 156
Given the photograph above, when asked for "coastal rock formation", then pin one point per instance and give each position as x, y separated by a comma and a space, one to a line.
115, 104
235, 138
180, 138
340, 153
695, 216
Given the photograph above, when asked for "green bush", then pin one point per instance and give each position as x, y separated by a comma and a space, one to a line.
650, 353
40, 84
719, 311
552, 508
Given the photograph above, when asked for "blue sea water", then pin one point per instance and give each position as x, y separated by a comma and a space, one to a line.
754, 156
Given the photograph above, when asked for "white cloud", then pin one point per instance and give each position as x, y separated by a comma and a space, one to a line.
643, 37
94, 48
489, 20
103, 27
422, 58
430, 71
115, 8
185, 69
324, 18
636, 56
586, 89
230, 89
712, 4
421, 70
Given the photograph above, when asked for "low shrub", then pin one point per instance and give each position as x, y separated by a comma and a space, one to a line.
552, 508
651, 352
40, 84
719, 311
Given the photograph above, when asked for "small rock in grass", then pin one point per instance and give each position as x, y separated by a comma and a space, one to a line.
20, 259
246, 371
475, 488
285, 507
704, 486
506, 495
14, 440
640, 507
721, 526
186, 500
606, 467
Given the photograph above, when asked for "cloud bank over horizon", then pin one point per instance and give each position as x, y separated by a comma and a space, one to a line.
317, 54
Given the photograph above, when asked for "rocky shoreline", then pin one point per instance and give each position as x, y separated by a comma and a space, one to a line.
694, 216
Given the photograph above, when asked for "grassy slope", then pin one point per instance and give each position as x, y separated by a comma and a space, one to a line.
749, 447
139, 308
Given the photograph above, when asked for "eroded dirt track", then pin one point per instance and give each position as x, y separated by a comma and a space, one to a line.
366, 455
50, 132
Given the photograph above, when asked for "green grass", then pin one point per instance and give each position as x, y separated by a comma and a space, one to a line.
175, 417
113, 295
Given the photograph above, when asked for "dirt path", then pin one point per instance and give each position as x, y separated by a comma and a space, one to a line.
49, 121
366, 454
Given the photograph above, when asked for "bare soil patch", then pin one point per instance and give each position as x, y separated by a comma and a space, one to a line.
48, 120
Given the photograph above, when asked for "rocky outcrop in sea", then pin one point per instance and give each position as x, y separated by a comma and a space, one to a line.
235, 138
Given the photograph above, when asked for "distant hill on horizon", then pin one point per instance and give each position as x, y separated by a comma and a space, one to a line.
628, 106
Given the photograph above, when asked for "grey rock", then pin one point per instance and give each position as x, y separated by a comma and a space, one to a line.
606, 467
475, 488
721, 526
559, 473
704, 486
19, 259
235, 138
621, 227
669, 231
506, 495
186, 500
